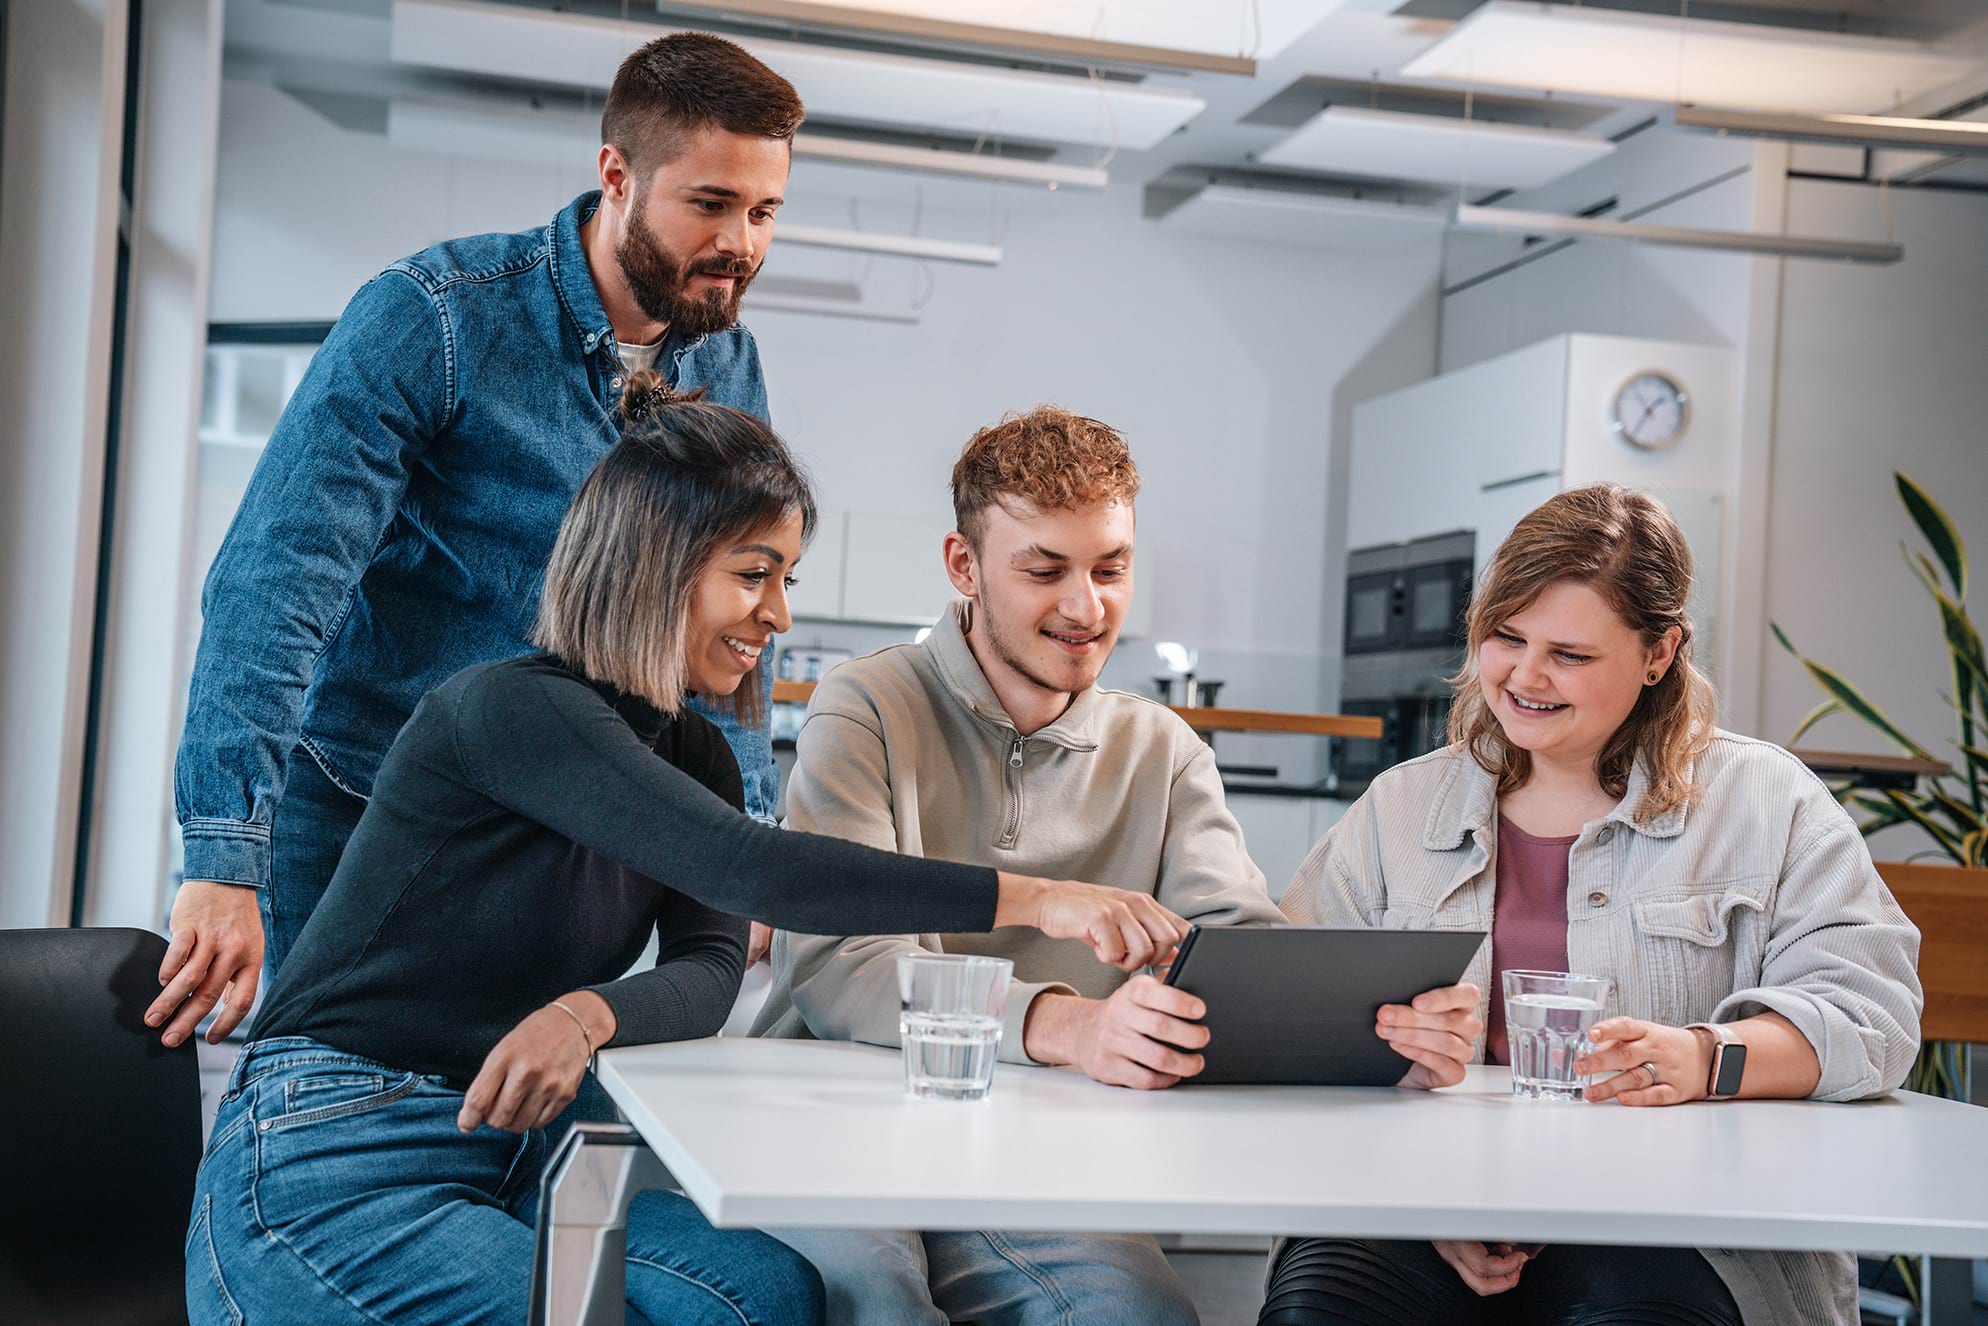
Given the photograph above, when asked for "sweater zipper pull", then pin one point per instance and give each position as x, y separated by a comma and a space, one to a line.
1015, 754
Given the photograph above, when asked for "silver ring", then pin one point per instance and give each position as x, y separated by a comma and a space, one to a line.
1651, 1069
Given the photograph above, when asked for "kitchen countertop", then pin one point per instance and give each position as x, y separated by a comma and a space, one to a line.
1201, 719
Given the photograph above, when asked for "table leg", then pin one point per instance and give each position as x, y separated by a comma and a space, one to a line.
1946, 1291
579, 1264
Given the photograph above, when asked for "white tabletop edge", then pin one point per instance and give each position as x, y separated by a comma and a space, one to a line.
750, 1207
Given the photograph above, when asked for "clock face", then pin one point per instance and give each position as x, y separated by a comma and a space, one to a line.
1650, 411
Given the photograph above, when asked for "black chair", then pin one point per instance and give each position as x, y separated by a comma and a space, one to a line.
100, 1126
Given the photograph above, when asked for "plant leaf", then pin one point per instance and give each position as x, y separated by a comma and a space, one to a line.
1939, 531
1965, 819
1837, 686
1814, 716
1782, 636
1974, 848
1940, 835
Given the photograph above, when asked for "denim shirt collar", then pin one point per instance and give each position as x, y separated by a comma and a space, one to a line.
1076, 729
1467, 801
574, 281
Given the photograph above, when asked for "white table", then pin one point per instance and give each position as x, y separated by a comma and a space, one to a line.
799, 1133
806, 1133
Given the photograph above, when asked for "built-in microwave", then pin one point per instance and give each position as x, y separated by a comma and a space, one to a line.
1408, 595
1405, 606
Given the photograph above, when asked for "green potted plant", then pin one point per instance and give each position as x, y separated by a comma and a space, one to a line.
1951, 807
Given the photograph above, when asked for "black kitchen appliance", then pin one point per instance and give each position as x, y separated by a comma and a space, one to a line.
1405, 606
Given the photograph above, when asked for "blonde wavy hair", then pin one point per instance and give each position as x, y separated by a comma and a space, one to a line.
1626, 547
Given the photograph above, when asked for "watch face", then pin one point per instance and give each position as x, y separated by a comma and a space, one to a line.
1729, 1069
1650, 411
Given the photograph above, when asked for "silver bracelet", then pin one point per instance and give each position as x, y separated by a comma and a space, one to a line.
585, 1035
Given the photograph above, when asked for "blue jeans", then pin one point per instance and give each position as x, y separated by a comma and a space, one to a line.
890, 1278
314, 820
338, 1190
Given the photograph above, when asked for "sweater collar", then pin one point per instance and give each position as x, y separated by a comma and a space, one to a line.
1077, 729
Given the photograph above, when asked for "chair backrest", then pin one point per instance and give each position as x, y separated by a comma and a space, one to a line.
102, 1129
1950, 907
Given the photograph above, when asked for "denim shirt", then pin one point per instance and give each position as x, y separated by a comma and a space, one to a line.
398, 524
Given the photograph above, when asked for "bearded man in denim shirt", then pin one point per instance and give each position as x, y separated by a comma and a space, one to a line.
398, 524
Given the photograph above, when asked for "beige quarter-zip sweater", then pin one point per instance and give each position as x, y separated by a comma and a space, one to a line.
909, 750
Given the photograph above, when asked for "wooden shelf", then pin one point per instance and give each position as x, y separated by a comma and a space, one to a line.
1200, 719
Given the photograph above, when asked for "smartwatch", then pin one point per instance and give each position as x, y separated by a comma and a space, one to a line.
1728, 1060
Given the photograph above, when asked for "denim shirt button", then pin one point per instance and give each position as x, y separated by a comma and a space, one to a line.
1597, 899
615, 383
1607, 832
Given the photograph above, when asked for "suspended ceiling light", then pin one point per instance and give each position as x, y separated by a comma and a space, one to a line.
1192, 34
1435, 149
944, 161
896, 246
1949, 137
1621, 56
829, 308
853, 86
1511, 221
503, 131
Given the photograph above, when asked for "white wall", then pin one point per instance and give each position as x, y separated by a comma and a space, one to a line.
1880, 369
1230, 367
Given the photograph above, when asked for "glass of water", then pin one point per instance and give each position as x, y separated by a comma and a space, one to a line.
1547, 1016
950, 1022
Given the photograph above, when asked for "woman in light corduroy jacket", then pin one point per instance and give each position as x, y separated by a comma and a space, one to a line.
1589, 813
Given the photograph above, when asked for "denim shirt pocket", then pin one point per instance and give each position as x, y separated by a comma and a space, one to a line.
1699, 947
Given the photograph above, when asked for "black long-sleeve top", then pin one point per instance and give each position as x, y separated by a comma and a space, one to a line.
526, 831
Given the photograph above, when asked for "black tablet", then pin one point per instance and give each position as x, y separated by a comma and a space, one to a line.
1297, 1003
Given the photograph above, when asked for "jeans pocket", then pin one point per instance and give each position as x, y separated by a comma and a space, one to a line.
348, 1137
334, 1094
208, 1302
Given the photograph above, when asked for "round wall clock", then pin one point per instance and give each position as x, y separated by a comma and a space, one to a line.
1650, 411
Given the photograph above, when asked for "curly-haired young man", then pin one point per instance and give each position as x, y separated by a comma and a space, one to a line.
991, 743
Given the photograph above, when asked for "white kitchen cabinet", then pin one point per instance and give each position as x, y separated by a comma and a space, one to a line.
817, 592
1277, 831
893, 568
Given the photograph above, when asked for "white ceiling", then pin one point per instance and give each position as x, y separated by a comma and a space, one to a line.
536, 73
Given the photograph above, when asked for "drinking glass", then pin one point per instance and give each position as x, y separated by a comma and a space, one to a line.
950, 1022
1547, 1016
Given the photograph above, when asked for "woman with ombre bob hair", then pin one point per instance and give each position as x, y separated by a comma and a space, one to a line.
1591, 816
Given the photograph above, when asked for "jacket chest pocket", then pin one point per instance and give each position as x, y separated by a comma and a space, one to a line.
1697, 949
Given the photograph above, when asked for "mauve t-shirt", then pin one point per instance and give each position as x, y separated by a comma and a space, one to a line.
1528, 918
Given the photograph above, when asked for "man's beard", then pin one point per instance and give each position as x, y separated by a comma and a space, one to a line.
659, 281
1010, 652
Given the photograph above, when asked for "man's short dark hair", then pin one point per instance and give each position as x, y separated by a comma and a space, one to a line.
676, 85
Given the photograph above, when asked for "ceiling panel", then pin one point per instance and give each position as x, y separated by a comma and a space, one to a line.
1254, 28
1269, 217
853, 87
1437, 149
1648, 57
